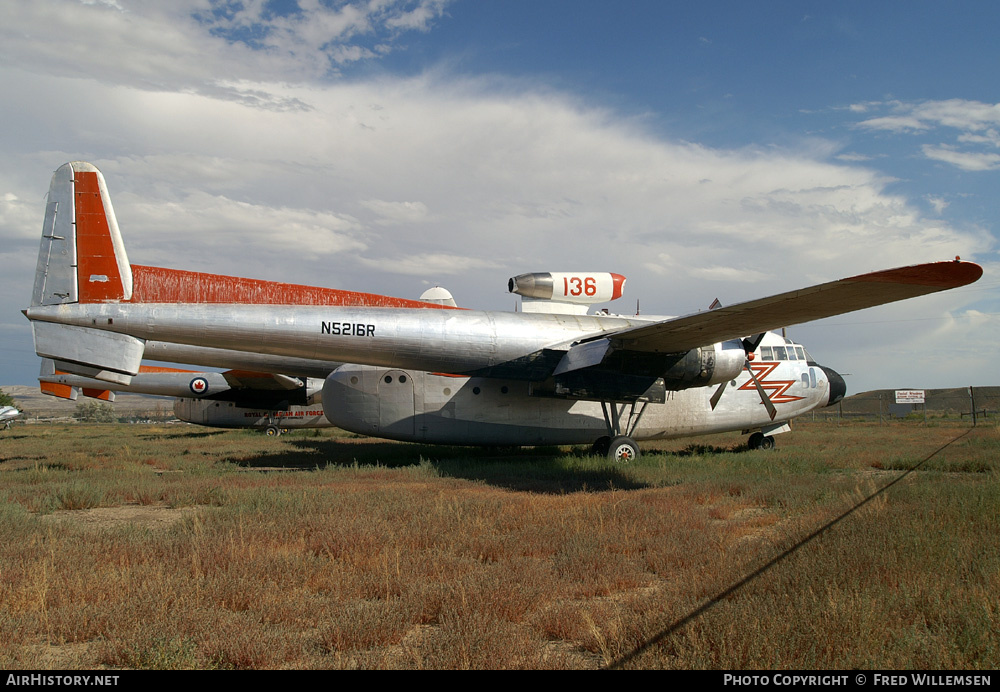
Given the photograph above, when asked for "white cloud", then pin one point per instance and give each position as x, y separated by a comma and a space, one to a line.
532, 181
734, 274
960, 114
895, 123
975, 121
394, 213
203, 46
429, 266
967, 161
938, 203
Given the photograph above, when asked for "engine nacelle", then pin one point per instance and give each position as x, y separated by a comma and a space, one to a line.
706, 366
586, 288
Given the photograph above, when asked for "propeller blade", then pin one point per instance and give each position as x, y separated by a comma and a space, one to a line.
765, 399
750, 344
714, 401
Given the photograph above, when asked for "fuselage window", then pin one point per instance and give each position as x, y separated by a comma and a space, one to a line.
812, 377
765, 353
779, 353
801, 352
791, 353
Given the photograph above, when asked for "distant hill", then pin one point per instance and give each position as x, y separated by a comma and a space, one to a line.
956, 400
953, 401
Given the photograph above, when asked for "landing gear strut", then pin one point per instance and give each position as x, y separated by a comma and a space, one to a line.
617, 446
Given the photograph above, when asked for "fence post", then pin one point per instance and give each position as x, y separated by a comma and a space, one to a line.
972, 395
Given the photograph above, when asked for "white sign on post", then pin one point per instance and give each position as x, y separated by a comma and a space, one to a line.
909, 396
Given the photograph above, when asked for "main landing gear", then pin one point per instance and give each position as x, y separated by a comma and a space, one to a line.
273, 429
760, 441
619, 448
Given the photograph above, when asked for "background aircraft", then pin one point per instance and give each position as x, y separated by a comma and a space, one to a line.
232, 399
7, 415
93, 313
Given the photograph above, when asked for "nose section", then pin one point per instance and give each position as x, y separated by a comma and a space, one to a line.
838, 387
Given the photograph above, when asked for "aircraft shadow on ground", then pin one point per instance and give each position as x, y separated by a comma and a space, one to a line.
537, 470
694, 450
188, 434
541, 470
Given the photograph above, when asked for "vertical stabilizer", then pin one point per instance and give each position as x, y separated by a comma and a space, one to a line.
81, 258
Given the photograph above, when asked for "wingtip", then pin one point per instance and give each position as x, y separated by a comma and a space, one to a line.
941, 275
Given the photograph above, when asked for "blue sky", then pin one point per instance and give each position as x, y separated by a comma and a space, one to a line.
721, 149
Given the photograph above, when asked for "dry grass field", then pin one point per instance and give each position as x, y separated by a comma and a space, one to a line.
180, 547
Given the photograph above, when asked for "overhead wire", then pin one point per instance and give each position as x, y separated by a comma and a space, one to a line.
715, 600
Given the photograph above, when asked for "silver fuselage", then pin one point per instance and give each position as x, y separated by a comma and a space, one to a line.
226, 414
419, 406
450, 341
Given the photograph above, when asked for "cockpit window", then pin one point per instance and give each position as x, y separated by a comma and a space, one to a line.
790, 352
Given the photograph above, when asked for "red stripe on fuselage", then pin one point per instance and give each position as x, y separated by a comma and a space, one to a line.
158, 285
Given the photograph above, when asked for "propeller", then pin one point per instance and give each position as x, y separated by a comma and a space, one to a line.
749, 346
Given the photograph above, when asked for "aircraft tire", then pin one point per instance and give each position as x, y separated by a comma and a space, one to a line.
623, 450
767, 443
272, 431
601, 446
755, 440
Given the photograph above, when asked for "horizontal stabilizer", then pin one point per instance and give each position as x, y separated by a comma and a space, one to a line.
62, 391
102, 394
107, 356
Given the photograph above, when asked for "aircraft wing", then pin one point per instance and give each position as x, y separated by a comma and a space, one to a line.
813, 303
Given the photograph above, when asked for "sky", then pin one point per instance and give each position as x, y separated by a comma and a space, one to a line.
726, 150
